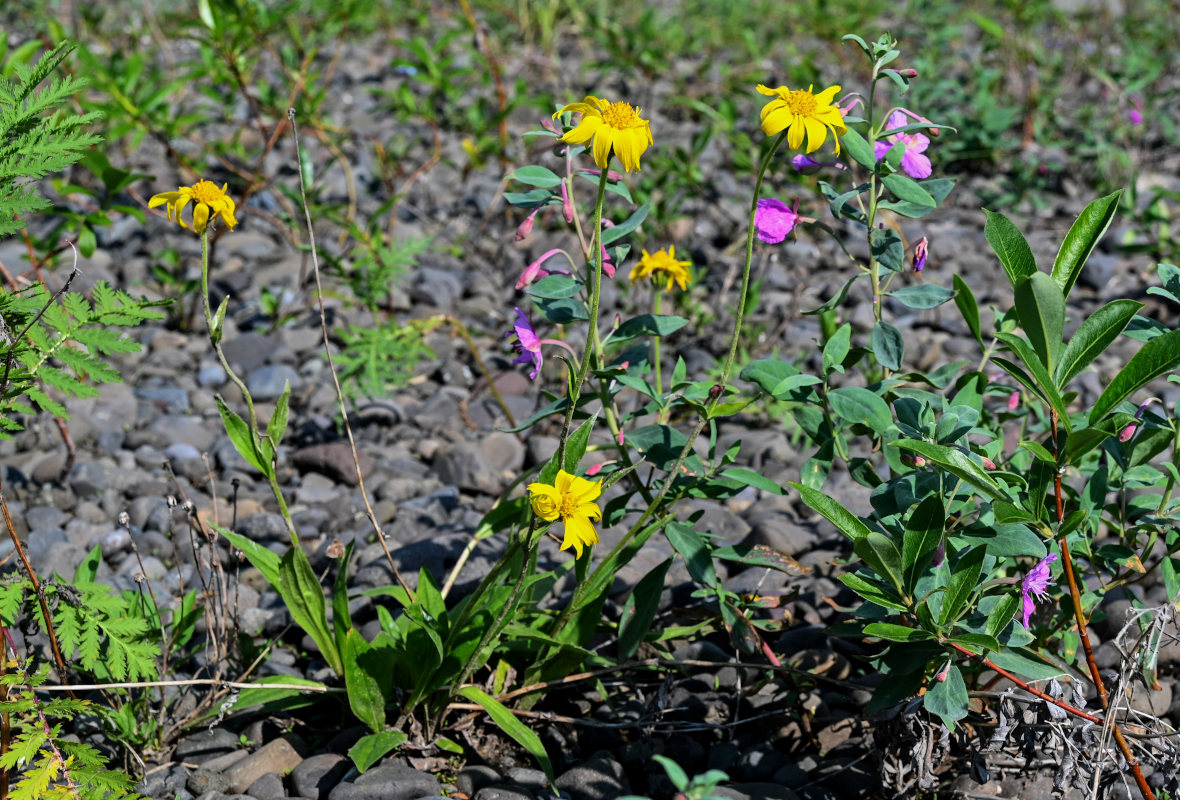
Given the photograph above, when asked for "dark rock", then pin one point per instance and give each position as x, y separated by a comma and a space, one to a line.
388, 782
278, 756
206, 780
505, 792
601, 778
332, 460
474, 777
267, 383
755, 791
466, 465
87, 480
267, 787
264, 527
759, 763
168, 399
528, 778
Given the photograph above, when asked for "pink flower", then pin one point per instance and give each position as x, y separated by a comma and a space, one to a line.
913, 163
534, 270
773, 220
526, 227
1129, 431
920, 254
1013, 401
527, 344
1035, 584
567, 208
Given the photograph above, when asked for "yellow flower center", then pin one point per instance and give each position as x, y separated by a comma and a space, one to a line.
800, 102
621, 116
207, 192
569, 506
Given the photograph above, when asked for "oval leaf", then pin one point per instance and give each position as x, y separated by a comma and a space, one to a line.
1010, 245
854, 404
921, 296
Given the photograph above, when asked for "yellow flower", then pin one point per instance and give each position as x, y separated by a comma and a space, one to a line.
211, 203
572, 499
801, 112
612, 126
659, 265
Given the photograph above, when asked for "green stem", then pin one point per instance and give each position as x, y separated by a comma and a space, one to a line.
215, 340
593, 344
663, 417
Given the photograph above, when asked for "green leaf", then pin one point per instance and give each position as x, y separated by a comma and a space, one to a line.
88, 568
896, 633
538, 176
626, 226
1159, 356
855, 404
372, 748
554, 287
1042, 383
908, 190
1081, 240
1082, 441
845, 521
662, 445
1010, 245
263, 559
239, 433
963, 582
888, 345
1041, 308
694, 548
836, 349
880, 594
646, 325
276, 429
1093, 336
922, 295
837, 299
640, 609
304, 598
752, 478
923, 532
1024, 663
968, 307
937, 188
957, 463
365, 697
1039, 452
859, 148
1005, 540
1002, 614
881, 553
887, 249
947, 698
511, 726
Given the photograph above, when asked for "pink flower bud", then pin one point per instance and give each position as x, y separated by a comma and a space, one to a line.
594, 469
911, 460
620, 437
526, 227
534, 270
908, 73
548, 125
567, 208
1013, 401
988, 463
1128, 432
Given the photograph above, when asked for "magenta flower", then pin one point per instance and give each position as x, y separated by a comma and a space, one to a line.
1035, 584
773, 220
534, 270
913, 163
527, 344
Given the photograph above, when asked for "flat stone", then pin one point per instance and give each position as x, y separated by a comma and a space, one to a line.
278, 756
332, 460
315, 776
389, 782
267, 787
205, 745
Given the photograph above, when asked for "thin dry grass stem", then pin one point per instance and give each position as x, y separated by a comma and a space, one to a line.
315, 261
1080, 619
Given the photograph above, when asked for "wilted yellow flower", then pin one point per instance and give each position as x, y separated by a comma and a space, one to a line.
660, 265
572, 499
612, 126
210, 203
800, 112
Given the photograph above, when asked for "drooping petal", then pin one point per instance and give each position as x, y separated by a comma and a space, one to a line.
915, 164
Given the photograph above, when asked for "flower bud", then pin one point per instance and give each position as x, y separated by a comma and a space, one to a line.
567, 208
548, 125
715, 391
911, 460
908, 73
526, 227
988, 463
1013, 401
1128, 432
920, 254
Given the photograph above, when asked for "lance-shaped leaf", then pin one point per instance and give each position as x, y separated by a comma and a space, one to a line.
1159, 356
1041, 383
956, 462
1083, 236
1010, 245
848, 523
1093, 336
1041, 307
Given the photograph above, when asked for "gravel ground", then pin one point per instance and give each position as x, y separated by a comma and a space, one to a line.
435, 457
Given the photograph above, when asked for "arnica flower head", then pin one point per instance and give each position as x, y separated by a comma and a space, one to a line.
210, 203
660, 265
913, 163
572, 499
800, 113
773, 220
527, 344
615, 128
1035, 584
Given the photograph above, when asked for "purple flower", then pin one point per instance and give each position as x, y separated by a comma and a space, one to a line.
1035, 584
527, 344
913, 163
773, 220
920, 254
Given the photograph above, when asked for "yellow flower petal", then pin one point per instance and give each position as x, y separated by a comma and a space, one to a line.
806, 116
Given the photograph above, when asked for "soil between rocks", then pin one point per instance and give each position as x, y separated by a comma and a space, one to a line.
435, 456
